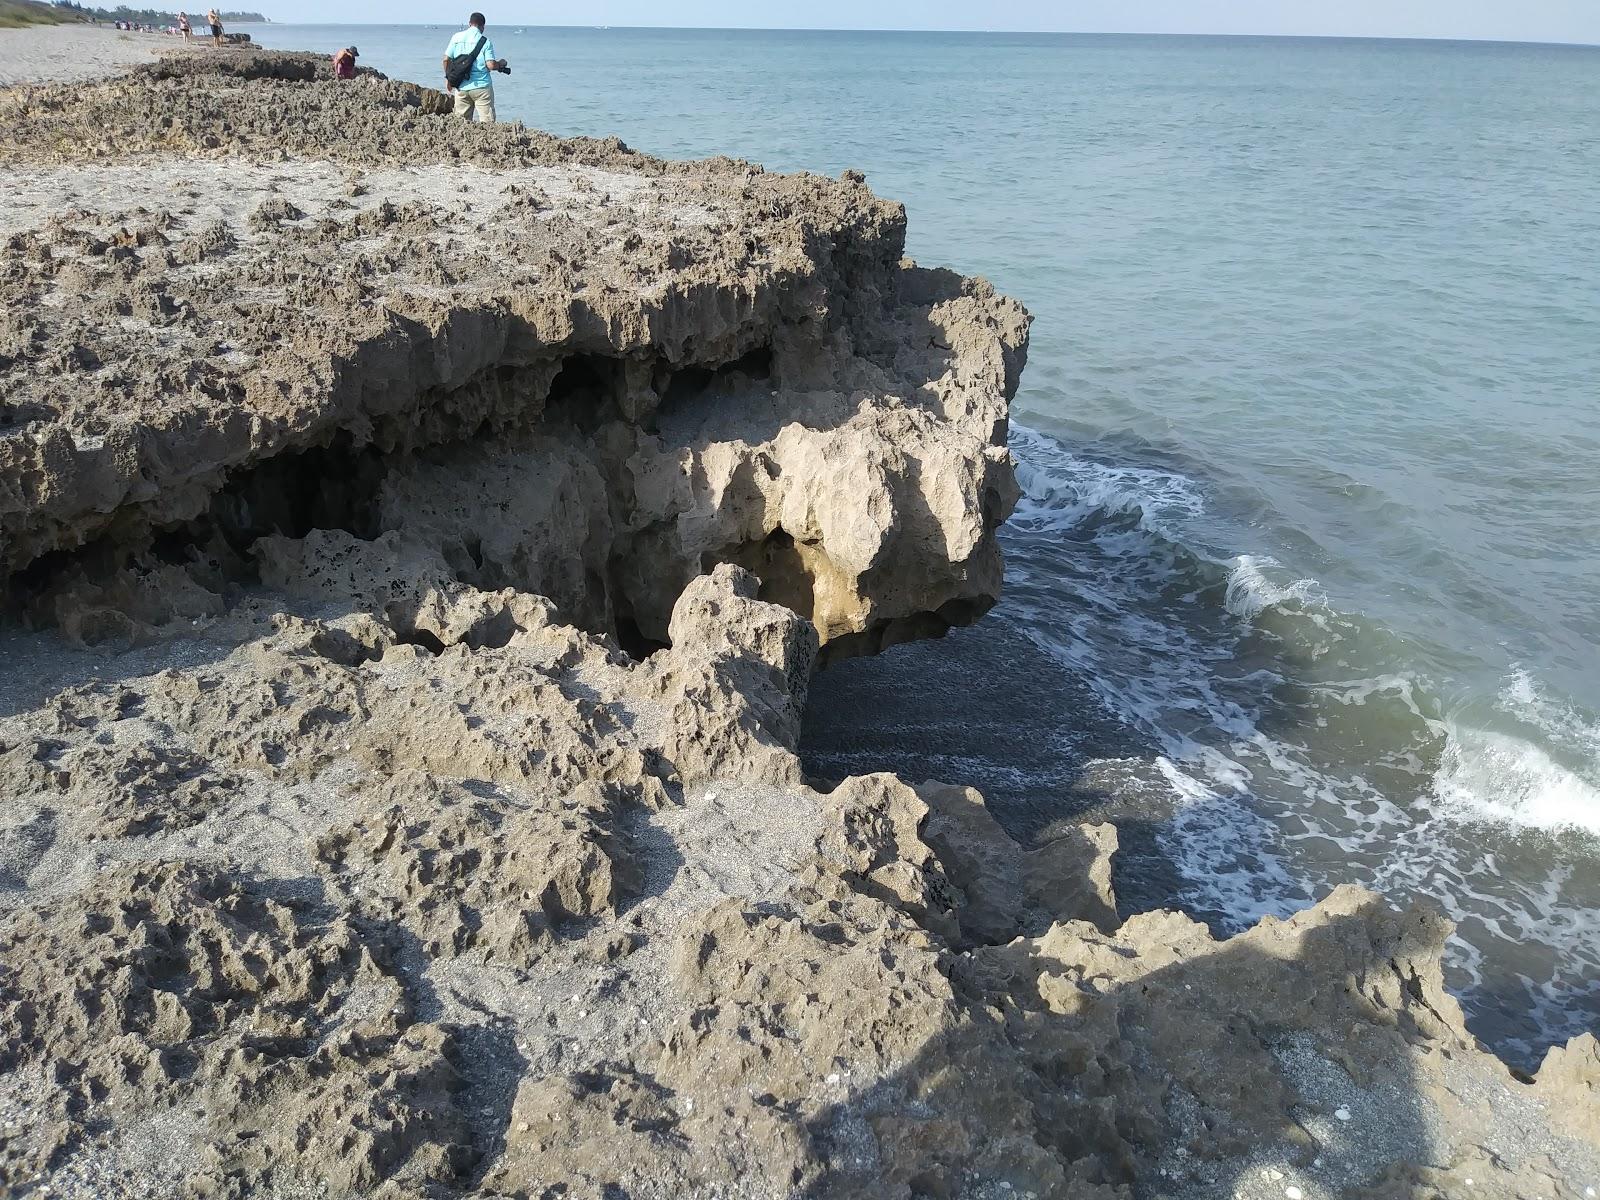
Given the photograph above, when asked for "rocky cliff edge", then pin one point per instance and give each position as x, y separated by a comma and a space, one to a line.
425, 537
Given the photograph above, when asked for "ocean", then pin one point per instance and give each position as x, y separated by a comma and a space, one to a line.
1305, 586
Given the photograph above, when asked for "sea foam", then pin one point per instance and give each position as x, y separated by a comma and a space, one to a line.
1297, 744
1061, 490
1502, 778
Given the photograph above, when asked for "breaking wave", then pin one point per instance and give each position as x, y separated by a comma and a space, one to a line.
1250, 591
1511, 779
1302, 746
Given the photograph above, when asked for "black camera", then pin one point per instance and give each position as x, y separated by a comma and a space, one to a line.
503, 69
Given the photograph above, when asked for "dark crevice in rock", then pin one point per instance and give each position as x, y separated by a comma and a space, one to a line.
340, 486
421, 637
342, 647
634, 642
584, 392
682, 388
333, 486
787, 578
326, 487
884, 635
26, 587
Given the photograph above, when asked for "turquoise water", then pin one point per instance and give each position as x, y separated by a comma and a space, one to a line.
1310, 434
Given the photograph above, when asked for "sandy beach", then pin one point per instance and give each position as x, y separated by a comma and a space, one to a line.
73, 53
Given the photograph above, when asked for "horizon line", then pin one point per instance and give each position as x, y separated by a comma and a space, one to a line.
1308, 37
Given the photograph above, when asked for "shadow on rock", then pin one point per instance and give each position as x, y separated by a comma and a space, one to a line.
1154, 1061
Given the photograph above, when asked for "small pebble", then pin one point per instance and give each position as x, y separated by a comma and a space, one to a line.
711, 796
522, 1127
1342, 1113
1294, 1193
834, 1078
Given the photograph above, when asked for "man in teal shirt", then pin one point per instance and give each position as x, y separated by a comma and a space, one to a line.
475, 96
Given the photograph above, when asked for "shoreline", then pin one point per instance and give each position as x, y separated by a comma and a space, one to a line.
444, 829
758, 29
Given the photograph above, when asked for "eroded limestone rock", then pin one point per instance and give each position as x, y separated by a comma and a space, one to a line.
472, 874
599, 379
266, 1035
400, 796
1569, 1082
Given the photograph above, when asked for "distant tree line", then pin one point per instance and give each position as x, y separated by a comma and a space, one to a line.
148, 16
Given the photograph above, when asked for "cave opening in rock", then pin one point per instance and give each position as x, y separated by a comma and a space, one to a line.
681, 389
340, 485
584, 392
323, 487
421, 637
24, 589
335, 486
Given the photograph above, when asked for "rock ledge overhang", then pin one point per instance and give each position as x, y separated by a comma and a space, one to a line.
568, 368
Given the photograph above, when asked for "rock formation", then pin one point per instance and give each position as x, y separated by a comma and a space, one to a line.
397, 781
650, 369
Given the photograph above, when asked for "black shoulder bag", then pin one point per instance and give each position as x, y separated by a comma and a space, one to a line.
461, 65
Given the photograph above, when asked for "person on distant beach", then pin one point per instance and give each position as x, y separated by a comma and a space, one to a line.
216, 25
183, 26
344, 63
475, 93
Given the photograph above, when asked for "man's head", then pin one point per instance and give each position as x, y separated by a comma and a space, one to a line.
352, 52
476, 21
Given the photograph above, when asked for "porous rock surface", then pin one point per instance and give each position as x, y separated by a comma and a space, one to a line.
428, 327
351, 844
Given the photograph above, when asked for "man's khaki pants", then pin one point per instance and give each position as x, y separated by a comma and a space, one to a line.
476, 104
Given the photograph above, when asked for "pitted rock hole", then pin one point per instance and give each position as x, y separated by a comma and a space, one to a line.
585, 392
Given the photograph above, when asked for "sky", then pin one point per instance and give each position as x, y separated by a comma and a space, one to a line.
1510, 20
